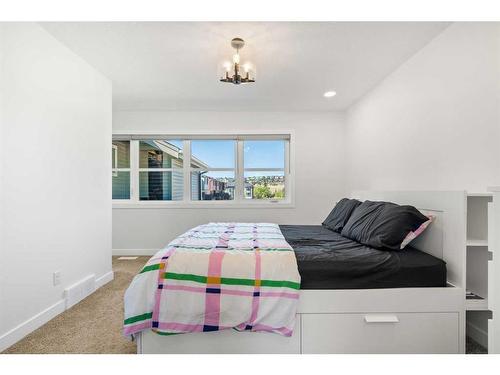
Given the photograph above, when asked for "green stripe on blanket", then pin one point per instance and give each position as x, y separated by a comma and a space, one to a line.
152, 267
232, 281
185, 276
138, 318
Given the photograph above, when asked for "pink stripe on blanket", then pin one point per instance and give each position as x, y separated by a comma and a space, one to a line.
180, 327
231, 292
212, 300
185, 288
160, 281
258, 273
158, 293
280, 294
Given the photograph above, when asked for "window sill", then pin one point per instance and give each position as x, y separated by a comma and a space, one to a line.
201, 205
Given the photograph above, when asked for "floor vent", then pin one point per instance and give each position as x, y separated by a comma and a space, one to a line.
80, 290
127, 258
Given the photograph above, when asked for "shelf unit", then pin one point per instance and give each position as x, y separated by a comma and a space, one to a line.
476, 303
478, 259
494, 271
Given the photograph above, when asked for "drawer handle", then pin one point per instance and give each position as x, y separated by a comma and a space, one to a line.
381, 318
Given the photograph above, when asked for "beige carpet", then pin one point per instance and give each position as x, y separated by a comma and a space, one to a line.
92, 326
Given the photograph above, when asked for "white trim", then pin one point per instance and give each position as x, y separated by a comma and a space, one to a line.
124, 135
115, 160
17, 333
133, 252
121, 169
25, 328
213, 170
229, 204
265, 170
477, 334
161, 169
239, 194
134, 171
104, 279
186, 170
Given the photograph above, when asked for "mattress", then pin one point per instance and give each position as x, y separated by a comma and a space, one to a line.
326, 260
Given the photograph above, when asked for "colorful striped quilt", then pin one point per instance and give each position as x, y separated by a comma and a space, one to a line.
217, 276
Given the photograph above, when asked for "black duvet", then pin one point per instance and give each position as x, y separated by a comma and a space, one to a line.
326, 260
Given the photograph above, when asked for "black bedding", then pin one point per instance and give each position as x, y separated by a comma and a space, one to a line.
326, 260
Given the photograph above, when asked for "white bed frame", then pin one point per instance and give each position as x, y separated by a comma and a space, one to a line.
399, 320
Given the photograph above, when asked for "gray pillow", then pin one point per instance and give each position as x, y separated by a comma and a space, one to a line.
340, 214
382, 225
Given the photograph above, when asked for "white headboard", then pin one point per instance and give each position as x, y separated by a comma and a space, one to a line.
445, 238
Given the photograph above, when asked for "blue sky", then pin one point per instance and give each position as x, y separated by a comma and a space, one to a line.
264, 154
257, 154
217, 154
220, 154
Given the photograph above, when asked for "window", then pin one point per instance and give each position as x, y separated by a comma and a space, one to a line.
213, 169
264, 167
161, 170
235, 169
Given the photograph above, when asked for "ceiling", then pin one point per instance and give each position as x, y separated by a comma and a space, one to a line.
175, 65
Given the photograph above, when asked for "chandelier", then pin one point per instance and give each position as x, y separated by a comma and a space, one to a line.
233, 73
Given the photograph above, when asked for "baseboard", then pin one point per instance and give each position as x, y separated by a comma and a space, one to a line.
104, 279
17, 333
477, 334
138, 252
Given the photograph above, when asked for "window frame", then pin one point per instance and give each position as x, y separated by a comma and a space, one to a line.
116, 170
239, 200
286, 167
114, 153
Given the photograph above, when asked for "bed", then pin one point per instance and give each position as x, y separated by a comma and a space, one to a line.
377, 302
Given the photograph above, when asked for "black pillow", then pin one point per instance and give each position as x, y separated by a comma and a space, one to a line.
340, 214
382, 225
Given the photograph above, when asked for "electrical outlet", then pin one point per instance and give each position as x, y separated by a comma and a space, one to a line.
57, 278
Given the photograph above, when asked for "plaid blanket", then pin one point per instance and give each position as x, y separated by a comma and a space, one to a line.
217, 276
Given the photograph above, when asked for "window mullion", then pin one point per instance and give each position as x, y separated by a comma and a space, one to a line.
187, 170
240, 179
134, 171
287, 173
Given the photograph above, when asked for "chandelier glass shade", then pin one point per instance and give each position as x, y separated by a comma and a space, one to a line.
235, 72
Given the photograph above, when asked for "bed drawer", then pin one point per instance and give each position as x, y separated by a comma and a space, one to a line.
221, 342
380, 333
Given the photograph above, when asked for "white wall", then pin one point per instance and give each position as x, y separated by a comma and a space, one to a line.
319, 181
435, 122
55, 182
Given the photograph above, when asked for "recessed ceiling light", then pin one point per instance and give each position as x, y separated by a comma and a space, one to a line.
329, 94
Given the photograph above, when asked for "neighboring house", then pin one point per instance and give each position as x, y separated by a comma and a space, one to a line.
167, 185
248, 189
